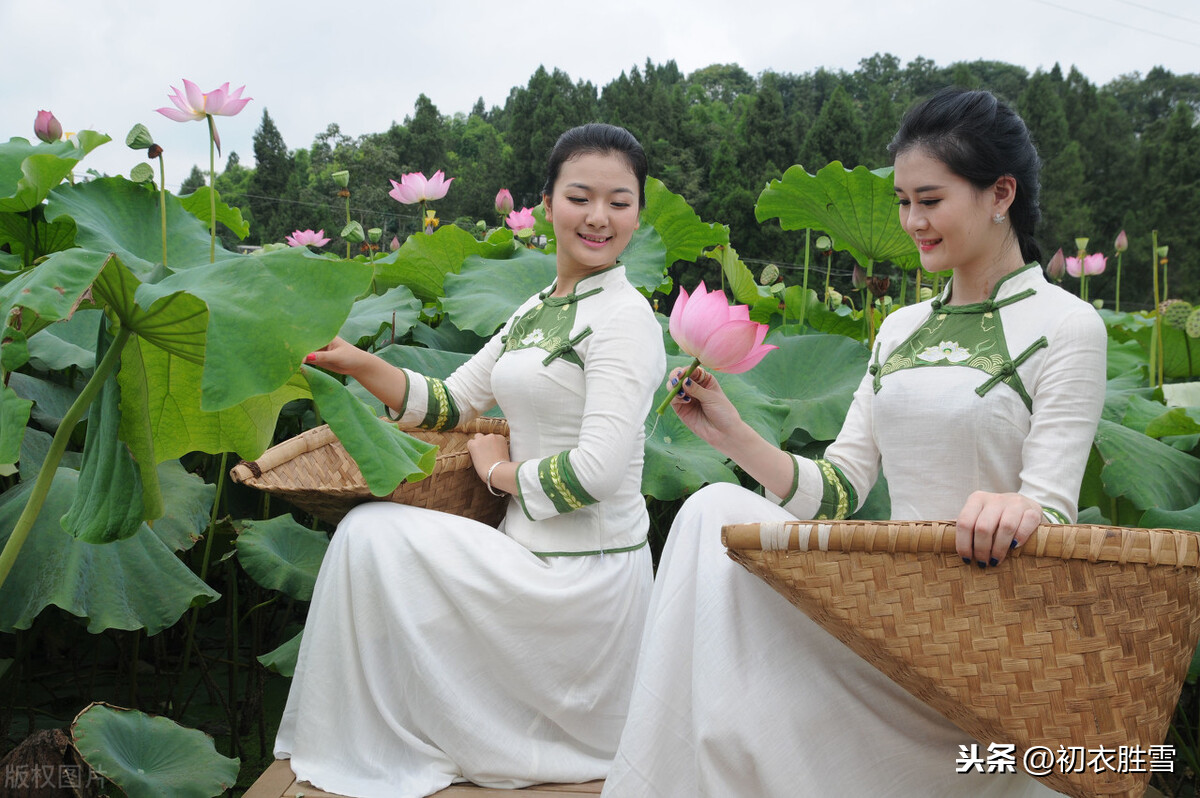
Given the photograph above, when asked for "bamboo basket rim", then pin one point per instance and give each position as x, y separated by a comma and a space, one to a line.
1091, 542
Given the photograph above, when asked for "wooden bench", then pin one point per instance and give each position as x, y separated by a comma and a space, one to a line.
278, 781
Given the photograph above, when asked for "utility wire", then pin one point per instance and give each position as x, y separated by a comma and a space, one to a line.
1159, 11
1123, 25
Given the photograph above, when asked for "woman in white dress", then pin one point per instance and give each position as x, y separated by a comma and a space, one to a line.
438, 649
980, 405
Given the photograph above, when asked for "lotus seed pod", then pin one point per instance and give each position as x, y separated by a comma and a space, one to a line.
1192, 328
770, 274
139, 137
142, 173
1175, 313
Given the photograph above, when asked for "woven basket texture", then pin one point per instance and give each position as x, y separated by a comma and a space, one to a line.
314, 472
1082, 637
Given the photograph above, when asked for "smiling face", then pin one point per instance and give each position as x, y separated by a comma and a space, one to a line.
594, 210
949, 219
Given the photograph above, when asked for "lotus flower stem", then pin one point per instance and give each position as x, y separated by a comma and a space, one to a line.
208, 543
1117, 303
804, 289
662, 408
41, 486
347, 224
1156, 349
212, 191
162, 202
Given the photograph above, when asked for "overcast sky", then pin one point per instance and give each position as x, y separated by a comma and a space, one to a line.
107, 64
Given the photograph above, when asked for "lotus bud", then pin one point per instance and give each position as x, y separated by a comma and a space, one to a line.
395, 245
834, 298
142, 173
47, 128
353, 233
858, 278
342, 178
1162, 256
374, 234
1057, 266
1122, 242
1098, 303
770, 274
824, 243
139, 137
504, 202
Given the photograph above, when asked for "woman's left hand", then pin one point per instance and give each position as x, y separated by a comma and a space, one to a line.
991, 524
486, 450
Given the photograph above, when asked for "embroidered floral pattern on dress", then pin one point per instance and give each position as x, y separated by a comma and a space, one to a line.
946, 350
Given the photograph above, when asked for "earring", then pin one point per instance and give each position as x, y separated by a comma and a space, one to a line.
998, 218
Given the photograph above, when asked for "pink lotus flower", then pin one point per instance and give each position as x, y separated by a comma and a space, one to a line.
717, 335
520, 220
1122, 242
413, 187
47, 128
504, 202
1091, 264
194, 105
302, 238
1057, 266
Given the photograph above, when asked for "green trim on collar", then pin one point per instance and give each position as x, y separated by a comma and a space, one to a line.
547, 326
619, 550
441, 412
561, 485
946, 292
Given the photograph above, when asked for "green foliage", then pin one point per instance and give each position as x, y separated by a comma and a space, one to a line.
281, 555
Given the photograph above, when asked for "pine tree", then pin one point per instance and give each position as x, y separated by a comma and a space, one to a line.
268, 184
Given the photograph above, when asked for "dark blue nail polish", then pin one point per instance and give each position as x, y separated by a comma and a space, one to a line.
993, 562
674, 380
981, 564
688, 381
679, 392
1013, 545
687, 398
967, 560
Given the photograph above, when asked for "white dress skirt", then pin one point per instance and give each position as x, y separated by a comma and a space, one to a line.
738, 693
438, 650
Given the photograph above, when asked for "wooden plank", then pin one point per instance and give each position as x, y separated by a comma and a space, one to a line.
273, 782
278, 781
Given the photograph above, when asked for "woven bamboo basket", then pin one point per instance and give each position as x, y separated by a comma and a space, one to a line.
314, 472
1082, 637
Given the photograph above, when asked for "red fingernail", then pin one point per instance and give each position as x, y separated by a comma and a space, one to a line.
310, 358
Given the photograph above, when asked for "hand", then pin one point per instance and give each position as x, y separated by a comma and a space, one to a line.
704, 408
487, 450
991, 524
339, 356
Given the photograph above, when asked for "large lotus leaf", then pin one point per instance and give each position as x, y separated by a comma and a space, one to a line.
856, 207
67, 344
22, 235
28, 172
265, 314
131, 584
50, 291
14, 415
424, 260
161, 413
282, 555
448, 337
1188, 519
109, 503
116, 215
1147, 472
645, 260
742, 285
149, 756
34, 447
283, 659
1120, 391
50, 399
397, 309
14, 351
485, 293
1181, 352
678, 462
1125, 357
814, 376
188, 502
199, 204
683, 233
386, 455
430, 362
1176, 421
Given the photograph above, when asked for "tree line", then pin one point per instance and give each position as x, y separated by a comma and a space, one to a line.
1123, 156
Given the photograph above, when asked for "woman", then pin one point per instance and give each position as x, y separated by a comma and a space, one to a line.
979, 405
439, 649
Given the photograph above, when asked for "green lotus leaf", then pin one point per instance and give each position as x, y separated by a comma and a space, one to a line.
815, 376
14, 350
14, 415
1126, 357
130, 584
386, 455
683, 233
430, 362
1176, 421
1120, 391
116, 215
161, 412
424, 260
1182, 394
199, 204
176, 322
482, 296
856, 207
282, 555
446, 336
1181, 352
50, 292
150, 756
34, 447
187, 503
396, 309
67, 344
645, 261
109, 502
1146, 472
37, 238
1188, 518
283, 659
249, 350
50, 399
28, 172
742, 285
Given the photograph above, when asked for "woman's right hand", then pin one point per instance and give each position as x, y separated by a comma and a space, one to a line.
339, 356
704, 408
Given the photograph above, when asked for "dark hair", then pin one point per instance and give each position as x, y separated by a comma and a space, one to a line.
981, 139
598, 138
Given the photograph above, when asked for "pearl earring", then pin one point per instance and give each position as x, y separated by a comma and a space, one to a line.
998, 218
